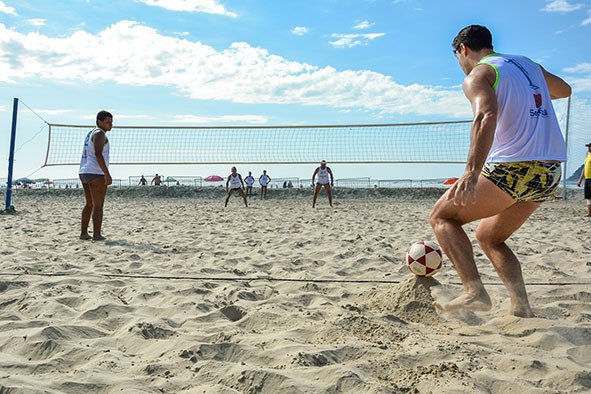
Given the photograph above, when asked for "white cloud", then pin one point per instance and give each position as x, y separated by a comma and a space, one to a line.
5, 9
52, 112
300, 30
36, 22
587, 21
363, 25
561, 6
352, 40
231, 119
205, 6
137, 55
579, 68
581, 83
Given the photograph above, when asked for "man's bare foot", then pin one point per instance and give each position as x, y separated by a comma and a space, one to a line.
98, 238
85, 237
466, 302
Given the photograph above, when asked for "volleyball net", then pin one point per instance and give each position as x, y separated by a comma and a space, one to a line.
435, 142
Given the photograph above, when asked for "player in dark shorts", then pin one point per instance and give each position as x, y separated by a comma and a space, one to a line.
235, 184
325, 180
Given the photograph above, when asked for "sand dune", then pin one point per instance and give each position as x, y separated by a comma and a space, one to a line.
188, 297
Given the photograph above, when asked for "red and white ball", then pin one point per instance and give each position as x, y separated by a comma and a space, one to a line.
424, 258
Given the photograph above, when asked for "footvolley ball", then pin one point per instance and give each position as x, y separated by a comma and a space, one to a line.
423, 258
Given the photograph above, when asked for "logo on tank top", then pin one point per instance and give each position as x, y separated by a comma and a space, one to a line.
539, 112
538, 99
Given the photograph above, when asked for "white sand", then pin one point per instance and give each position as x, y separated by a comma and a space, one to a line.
95, 328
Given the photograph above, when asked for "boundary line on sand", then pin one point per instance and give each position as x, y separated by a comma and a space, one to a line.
267, 278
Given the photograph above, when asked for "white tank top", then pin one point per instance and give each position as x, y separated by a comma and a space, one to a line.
323, 176
249, 180
527, 127
264, 180
235, 181
88, 163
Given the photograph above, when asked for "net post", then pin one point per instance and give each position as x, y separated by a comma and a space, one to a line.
564, 169
48, 143
9, 207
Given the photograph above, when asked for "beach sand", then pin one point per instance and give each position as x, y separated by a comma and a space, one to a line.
188, 297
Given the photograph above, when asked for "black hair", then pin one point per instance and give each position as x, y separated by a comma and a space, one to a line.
475, 37
102, 115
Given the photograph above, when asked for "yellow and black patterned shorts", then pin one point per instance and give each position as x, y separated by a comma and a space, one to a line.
531, 181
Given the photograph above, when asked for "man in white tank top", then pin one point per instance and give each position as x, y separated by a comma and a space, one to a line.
95, 176
323, 172
513, 165
249, 180
264, 180
235, 184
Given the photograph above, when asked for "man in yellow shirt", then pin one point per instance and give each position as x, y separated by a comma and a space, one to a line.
586, 174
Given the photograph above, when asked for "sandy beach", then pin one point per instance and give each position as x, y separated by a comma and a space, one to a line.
188, 297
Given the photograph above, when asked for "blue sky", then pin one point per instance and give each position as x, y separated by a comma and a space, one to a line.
257, 62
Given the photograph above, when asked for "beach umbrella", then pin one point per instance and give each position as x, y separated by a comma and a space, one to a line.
24, 180
48, 182
40, 180
450, 181
213, 178
170, 179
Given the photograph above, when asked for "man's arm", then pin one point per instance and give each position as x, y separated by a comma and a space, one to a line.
314, 175
99, 144
331, 176
557, 86
581, 177
478, 89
